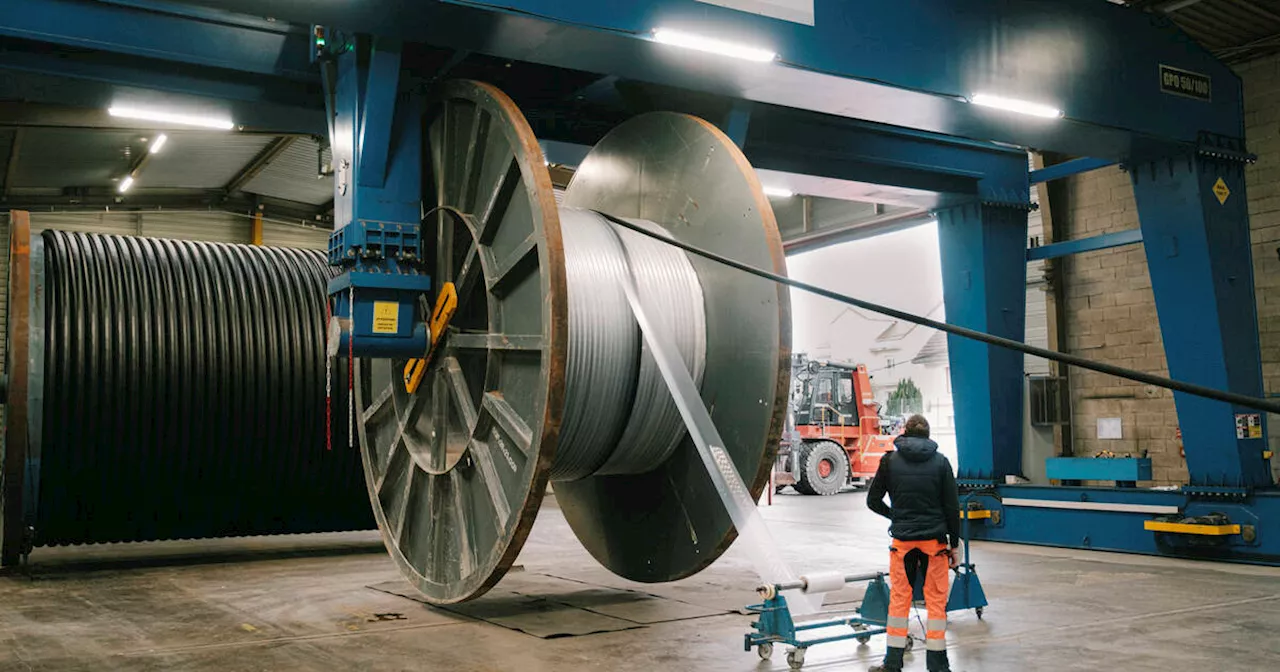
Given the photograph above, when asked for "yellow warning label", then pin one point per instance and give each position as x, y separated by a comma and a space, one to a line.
386, 317
1221, 191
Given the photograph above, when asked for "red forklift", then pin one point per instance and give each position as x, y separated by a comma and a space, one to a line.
835, 436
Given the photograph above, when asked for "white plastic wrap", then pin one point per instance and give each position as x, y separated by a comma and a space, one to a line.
823, 582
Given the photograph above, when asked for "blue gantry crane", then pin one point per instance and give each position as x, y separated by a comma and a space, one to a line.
866, 92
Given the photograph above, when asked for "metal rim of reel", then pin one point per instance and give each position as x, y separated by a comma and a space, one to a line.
455, 506
685, 175
14, 541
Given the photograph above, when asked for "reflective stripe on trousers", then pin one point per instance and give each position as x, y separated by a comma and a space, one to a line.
935, 593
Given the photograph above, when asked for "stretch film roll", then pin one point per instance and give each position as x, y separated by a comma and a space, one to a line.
823, 582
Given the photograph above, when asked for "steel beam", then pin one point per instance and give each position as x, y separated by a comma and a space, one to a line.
89, 80
115, 28
795, 141
11, 165
941, 53
1068, 168
984, 288
872, 226
1194, 216
1105, 241
259, 163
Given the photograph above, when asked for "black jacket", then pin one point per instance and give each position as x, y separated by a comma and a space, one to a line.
922, 488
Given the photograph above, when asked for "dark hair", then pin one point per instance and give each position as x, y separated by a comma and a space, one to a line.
917, 426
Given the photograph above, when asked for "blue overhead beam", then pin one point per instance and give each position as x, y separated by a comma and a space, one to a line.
801, 142
1099, 63
191, 39
1070, 247
1069, 168
99, 81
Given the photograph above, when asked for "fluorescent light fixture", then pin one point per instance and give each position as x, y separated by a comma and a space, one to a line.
713, 46
1015, 105
171, 118
126, 183
778, 192
158, 143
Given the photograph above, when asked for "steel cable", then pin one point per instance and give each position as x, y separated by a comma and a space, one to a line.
964, 332
619, 417
183, 394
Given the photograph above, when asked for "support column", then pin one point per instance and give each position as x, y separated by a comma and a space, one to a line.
1195, 226
376, 137
255, 233
984, 288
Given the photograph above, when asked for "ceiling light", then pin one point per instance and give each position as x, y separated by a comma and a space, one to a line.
171, 118
778, 192
126, 183
158, 143
713, 46
1014, 105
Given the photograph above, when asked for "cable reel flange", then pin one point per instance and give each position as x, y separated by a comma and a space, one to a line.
687, 176
456, 472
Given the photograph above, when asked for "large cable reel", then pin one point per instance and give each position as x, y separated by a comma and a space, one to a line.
542, 376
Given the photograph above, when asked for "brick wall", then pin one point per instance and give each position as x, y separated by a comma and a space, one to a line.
1110, 313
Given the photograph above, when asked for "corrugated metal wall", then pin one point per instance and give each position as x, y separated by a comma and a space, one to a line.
219, 227
281, 234
222, 227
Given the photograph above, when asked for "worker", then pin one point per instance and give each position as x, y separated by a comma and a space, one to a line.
925, 526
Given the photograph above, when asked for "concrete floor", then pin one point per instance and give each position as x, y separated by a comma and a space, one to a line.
303, 603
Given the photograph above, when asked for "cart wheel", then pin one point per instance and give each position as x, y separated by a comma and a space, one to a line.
911, 643
978, 611
795, 658
765, 651
864, 640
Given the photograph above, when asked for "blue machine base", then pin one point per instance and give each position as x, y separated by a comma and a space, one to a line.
1119, 469
775, 625
387, 319
1112, 519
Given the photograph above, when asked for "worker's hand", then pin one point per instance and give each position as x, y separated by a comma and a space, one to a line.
954, 556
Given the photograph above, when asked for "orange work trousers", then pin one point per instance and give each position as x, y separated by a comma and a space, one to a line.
935, 593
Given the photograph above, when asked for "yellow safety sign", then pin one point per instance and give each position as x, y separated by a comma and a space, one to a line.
386, 317
1221, 191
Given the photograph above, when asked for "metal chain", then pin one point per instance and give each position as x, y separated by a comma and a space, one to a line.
351, 369
328, 377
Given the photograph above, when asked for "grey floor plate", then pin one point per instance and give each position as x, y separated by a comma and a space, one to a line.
548, 606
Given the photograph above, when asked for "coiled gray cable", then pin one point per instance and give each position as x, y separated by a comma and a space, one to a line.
669, 286
619, 417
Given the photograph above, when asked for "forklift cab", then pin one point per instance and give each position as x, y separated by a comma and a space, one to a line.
823, 395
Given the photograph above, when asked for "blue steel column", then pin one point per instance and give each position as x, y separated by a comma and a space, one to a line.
984, 288
376, 137
1198, 252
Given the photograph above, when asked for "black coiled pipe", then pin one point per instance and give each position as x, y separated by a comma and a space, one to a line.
184, 394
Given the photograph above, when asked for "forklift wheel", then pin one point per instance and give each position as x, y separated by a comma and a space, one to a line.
824, 468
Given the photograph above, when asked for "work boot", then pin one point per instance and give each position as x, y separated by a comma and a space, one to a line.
892, 661
936, 661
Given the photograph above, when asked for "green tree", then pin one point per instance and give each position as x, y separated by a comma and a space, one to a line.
906, 399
